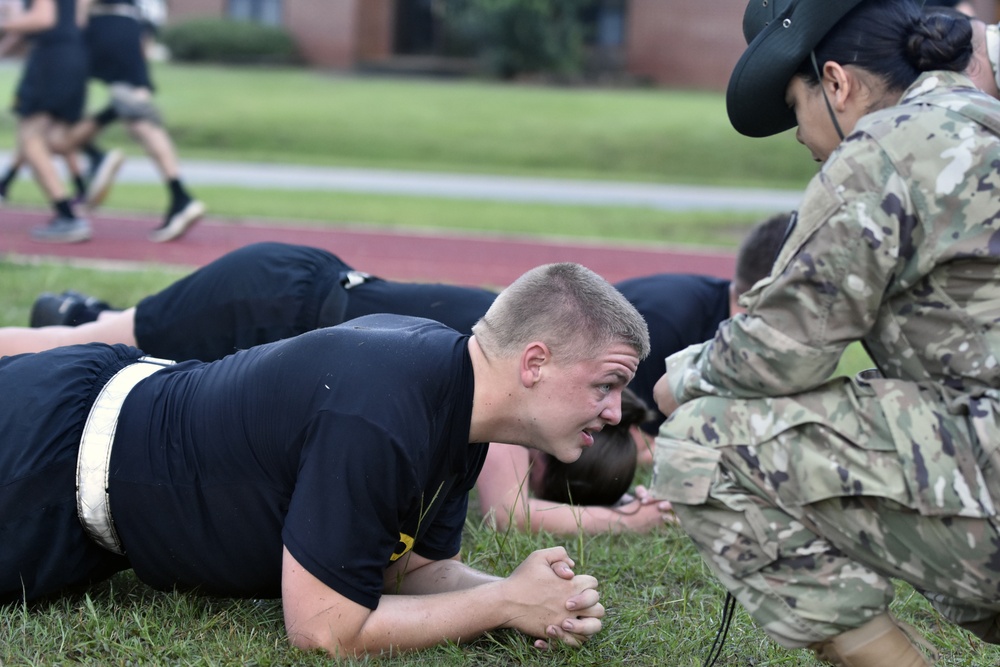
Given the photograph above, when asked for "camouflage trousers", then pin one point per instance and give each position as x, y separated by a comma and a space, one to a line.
807, 506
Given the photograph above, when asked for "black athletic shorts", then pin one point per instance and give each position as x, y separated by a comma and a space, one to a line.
114, 44
54, 81
257, 294
47, 398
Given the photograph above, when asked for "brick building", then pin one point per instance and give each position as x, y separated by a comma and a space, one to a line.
678, 43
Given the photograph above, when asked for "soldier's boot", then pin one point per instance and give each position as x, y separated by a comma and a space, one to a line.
878, 643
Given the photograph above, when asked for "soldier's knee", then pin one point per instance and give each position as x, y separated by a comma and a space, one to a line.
134, 104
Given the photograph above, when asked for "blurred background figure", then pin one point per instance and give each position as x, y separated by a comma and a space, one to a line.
50, 97
115, 36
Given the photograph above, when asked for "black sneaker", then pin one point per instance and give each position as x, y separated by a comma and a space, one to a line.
68, 309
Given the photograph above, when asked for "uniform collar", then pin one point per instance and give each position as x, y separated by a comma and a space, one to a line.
936, 82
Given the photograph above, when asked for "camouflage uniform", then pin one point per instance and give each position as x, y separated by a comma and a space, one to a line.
806, 496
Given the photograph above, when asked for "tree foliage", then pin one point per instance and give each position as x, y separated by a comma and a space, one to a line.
518, 37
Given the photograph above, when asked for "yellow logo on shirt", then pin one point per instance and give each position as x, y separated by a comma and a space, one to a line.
405, 544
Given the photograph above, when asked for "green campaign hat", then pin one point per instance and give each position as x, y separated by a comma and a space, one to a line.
780, 36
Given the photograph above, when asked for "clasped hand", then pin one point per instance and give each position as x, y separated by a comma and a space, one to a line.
551, 602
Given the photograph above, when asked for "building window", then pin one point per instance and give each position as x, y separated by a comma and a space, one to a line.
267, 12
418, 30
605, 20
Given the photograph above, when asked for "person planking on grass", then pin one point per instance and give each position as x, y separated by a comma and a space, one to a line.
807, 496
265, 292
331, 469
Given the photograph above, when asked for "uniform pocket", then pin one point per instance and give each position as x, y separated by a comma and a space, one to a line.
936, 449
683, 471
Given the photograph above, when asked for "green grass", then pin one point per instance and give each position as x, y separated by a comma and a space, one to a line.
310, 117
663, 605
595, 223
306, 117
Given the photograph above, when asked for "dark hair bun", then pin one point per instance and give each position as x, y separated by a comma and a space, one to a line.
940, 41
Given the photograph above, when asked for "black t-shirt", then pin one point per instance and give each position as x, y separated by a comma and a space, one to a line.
348, 445
114, 44
65, 27
680, 310
453, 305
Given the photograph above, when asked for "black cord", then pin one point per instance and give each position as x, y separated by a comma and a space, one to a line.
728, 609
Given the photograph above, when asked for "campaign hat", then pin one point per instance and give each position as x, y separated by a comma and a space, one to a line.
780, 35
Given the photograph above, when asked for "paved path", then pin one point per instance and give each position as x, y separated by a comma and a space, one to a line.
467, 186
471, 186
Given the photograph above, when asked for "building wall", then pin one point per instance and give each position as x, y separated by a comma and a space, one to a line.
178, 10
678, 43
330, 33
684, 43
326, 32
376, 29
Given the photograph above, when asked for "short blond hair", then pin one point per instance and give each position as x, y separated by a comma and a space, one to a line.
571, 309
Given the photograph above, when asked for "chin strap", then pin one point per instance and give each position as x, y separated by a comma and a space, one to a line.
728, 609
829, 107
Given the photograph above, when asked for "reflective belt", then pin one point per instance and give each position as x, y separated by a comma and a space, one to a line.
352, 278
117, 9
94, 458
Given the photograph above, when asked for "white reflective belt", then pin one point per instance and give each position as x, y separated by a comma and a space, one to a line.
92, 463
128, 11
354, 278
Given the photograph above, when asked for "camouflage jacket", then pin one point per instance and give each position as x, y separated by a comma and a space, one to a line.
897, 244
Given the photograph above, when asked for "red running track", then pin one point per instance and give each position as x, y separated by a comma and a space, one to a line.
484, 259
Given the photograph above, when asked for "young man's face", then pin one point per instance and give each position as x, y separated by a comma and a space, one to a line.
576, 400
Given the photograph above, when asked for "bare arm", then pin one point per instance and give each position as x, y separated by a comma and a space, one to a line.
503, 491
9, 42
40, 16
438, 601
664, 396
111, 328
82, 12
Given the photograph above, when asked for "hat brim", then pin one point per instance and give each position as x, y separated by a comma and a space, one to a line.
755, 97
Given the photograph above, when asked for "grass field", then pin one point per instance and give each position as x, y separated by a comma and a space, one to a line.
663, 605
577, 222
303, 117
307, 117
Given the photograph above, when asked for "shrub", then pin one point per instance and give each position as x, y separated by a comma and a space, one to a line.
515, 37
230, 42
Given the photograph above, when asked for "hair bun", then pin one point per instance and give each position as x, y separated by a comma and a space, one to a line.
939, 41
